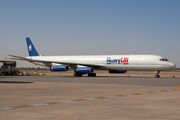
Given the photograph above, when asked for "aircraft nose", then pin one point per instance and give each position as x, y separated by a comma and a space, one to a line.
172, 65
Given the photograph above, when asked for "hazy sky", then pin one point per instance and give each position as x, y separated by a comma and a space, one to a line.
87, 27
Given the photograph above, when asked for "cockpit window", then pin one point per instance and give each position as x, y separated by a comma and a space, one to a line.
164, 59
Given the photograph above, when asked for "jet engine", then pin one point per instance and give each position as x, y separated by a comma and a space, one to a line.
59, 68
117, 71
84, 70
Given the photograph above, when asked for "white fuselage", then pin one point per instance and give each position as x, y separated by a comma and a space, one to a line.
111, 62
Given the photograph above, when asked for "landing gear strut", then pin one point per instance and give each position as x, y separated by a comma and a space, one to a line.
157, 75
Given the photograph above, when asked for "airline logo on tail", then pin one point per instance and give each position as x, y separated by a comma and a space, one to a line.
30, 47
123, 60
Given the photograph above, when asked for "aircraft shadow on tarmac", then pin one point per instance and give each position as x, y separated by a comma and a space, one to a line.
16, 82
103, 76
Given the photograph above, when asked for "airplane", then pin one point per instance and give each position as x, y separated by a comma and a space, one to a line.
85, 64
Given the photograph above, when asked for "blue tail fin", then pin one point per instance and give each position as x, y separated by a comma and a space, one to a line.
31, 49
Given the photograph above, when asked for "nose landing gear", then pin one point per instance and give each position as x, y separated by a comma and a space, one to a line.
157, 74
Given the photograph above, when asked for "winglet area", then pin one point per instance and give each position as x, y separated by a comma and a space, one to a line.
31, 49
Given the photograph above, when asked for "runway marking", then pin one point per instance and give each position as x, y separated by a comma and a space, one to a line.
37, 105
128, 94
137, 93
119, 95
53, 103
150, 92
101, 97
79, 100
164, 91
87, 99
22, 106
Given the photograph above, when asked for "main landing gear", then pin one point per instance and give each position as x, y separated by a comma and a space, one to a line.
157, 74
91, 74
77, 74
80, 74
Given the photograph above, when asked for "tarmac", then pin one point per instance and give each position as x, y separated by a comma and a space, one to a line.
60, 96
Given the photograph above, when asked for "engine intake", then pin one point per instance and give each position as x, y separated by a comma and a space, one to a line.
59, 68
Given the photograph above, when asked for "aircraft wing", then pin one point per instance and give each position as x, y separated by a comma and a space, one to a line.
43, 61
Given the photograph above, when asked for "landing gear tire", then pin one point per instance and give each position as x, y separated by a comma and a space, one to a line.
4, 74
77, 74
157, 76
91, 74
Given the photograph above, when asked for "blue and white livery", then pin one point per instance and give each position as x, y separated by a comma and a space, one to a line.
85, 64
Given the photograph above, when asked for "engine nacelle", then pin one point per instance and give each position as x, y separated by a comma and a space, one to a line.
84, 70
117, 71
59, 68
